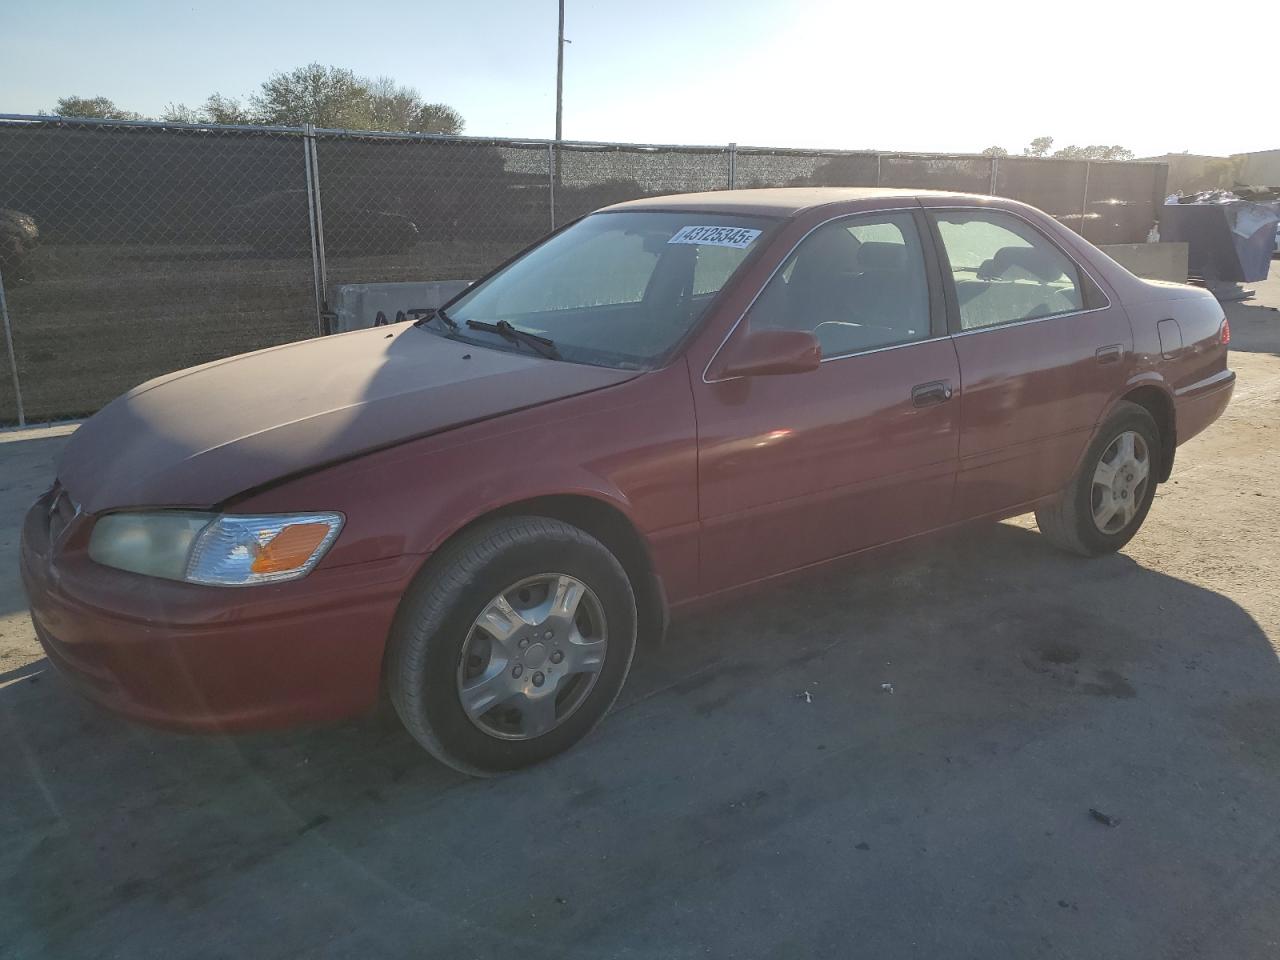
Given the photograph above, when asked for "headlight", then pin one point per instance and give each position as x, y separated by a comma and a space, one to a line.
214, 548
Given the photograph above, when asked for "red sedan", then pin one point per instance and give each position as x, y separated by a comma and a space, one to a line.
670, 399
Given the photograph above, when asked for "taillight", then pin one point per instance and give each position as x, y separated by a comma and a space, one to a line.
1225, 333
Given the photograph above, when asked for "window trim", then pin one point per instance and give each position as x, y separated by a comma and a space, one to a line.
949, 281
939, 319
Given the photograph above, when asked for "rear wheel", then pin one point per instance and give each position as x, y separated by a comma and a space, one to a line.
1108, 499
512, 645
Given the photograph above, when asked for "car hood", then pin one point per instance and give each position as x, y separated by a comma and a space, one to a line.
200, 436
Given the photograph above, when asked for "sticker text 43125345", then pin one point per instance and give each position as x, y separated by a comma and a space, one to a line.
713, 236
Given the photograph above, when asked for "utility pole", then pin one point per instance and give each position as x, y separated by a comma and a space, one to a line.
560, 73
555, 166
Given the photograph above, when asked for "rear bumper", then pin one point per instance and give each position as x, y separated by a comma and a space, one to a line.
199, 658
1200, 404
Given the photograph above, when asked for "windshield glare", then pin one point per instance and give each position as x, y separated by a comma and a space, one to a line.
616, 289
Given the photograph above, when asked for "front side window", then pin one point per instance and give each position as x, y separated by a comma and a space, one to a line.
857, 284
1005, 270
615, 289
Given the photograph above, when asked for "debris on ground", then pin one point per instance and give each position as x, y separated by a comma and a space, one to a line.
1105, 819
805, 696
887, 687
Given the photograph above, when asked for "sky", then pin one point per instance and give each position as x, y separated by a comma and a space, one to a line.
921, 76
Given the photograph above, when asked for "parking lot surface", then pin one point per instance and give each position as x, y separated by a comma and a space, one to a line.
972, 746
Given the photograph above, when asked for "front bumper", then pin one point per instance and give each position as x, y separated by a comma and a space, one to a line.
202, 658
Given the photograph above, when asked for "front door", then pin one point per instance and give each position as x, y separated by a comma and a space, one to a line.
799, 468
1042, 352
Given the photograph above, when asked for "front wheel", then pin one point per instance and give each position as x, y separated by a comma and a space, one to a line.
512, 644
1108, 499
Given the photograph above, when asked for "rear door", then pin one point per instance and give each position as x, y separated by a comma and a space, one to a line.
1042, 352
799, 468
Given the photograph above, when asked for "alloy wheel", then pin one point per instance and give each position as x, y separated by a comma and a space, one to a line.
532, 656
1120, 482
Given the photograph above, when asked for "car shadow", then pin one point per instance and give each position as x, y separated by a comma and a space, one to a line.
899, 756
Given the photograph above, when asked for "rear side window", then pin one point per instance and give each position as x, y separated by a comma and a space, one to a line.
1005, 270
857, 284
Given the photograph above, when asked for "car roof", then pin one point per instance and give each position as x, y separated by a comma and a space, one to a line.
778, 201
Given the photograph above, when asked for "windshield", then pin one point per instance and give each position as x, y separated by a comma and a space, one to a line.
615, 289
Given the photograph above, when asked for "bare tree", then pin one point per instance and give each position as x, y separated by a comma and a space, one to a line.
215, 109
181, 113
392, 106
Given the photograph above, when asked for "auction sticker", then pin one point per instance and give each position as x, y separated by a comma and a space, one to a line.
739, 237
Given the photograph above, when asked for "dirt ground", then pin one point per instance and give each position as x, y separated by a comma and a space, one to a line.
756, 793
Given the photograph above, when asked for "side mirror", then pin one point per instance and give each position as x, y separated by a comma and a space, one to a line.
764, 353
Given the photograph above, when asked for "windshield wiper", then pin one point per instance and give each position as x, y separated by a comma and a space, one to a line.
543, 345
426, 315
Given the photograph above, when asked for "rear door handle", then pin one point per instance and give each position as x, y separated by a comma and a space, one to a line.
1110, 353
928, 394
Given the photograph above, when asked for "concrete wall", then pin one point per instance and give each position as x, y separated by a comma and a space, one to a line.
1189, 172
357, 305
1154, 261
1261, 169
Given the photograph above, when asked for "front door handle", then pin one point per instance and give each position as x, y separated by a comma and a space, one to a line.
1110, 353
928, 394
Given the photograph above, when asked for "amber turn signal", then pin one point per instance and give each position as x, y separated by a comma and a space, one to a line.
290, 548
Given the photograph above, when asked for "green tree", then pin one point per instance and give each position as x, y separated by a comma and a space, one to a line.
1039, 147
329, 96
94, 108
1095, 152
995, 152
316, 94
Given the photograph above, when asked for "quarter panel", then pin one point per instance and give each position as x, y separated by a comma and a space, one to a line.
1194, 372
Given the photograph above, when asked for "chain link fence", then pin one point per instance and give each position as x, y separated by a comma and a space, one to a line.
158, 249
129, 250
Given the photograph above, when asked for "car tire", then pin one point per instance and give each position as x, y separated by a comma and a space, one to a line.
1070, 520
437, 629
